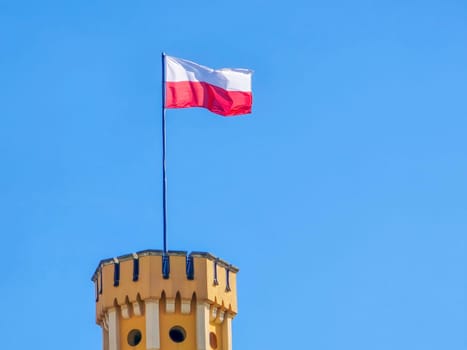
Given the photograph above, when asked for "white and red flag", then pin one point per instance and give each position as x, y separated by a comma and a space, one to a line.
225, 91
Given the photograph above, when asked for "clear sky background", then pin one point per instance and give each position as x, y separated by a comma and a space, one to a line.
342, 197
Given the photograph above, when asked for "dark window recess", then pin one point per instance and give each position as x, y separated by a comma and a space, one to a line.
97, 290
135, 269
227, 278
213, 340
100, 287
216, 282
177, 334
116, 274
165, 266
190, 269
134, 337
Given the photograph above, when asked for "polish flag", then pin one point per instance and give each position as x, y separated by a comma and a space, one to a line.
225, 91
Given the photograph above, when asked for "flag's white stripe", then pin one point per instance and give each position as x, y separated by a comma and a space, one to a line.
178, 69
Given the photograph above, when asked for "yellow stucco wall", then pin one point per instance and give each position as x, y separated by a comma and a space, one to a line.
217, 330
187, 322
177, 288
128, 325
151, 283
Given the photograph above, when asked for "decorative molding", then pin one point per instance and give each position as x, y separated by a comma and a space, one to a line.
125, 308
220, 317
105, 339
170, 306
114, 330
202, 326
153, 341
105, 321
213, 313
227, 332
186, 306
137, 309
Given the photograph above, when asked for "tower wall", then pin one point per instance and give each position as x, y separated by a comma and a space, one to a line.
142, 304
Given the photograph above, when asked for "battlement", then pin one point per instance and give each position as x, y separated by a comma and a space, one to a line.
176, 278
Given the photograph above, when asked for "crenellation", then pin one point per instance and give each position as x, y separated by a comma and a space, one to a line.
137, 304
125, 310
185, 306
137, 308
150, 284
155, 252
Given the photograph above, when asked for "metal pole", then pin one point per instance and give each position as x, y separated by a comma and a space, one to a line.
164, 181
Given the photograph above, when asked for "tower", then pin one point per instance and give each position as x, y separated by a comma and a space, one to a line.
151, 301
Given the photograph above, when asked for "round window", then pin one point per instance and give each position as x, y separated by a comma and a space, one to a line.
134, 337
177, 334
213, 340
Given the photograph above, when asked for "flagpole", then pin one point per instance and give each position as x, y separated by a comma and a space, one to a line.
164, 176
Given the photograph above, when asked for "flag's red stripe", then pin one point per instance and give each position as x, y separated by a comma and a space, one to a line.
199, 94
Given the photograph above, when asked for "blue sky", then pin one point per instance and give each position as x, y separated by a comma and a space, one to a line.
342, 197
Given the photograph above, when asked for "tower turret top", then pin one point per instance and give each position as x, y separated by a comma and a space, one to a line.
148, 274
